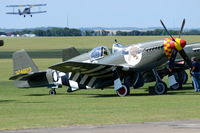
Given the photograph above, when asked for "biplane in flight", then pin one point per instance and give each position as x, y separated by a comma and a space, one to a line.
26, 10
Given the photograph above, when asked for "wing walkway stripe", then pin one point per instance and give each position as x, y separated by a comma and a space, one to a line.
91, 82
83, 79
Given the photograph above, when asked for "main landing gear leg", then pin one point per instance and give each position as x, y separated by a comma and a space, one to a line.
160, 86
122, 89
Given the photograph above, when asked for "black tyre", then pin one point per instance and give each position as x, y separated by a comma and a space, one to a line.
160, 88
52, 92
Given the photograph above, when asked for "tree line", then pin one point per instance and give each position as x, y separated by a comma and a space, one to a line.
77, 32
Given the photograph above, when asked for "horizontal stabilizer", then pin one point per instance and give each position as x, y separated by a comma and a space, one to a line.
27, 76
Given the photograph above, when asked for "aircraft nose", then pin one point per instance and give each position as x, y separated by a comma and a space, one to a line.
182, 43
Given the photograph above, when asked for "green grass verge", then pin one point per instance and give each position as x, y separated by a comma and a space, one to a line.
34, 108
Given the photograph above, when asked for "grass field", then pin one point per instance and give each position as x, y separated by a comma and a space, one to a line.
34, 108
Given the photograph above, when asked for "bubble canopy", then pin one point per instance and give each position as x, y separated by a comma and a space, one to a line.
99, 52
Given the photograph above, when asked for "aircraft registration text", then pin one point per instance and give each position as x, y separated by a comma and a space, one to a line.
23, 71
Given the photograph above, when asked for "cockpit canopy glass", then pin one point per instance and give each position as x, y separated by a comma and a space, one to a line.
99, 52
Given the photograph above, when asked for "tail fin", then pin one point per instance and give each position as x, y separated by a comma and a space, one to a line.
22, 63
69, 53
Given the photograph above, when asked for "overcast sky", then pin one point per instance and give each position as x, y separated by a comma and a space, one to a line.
104, 13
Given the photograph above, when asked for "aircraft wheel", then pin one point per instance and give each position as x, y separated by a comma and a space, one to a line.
52, 92
123, 91
160, 88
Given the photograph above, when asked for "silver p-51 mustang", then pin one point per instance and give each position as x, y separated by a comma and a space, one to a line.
128, 65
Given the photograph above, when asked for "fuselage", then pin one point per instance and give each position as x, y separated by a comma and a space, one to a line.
26, 11
141, 56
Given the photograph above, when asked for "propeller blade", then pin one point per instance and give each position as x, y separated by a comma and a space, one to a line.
186, 58
166, 30
183, 24
172, 59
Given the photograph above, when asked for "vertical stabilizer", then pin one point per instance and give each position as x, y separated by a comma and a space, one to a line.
69, 53
22, 63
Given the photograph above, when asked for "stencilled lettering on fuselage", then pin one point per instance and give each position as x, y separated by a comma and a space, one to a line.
23, 71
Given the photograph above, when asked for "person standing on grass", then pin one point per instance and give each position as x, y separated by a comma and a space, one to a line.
195, 72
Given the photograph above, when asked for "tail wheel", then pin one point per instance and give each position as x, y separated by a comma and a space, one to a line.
52, 92
123, 91
160, 88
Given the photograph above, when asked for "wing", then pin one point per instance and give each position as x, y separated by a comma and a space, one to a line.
89, 74
37, 5
38, 12
34, 5
13, 13
27, 76
91, 69
16, 5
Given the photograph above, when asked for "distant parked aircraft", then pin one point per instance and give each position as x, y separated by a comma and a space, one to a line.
1, 42
26, 10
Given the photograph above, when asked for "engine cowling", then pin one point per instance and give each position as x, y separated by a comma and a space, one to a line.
53, 77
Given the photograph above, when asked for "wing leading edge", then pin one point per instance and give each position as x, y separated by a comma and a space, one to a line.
38, 12
14, 13
28, 5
